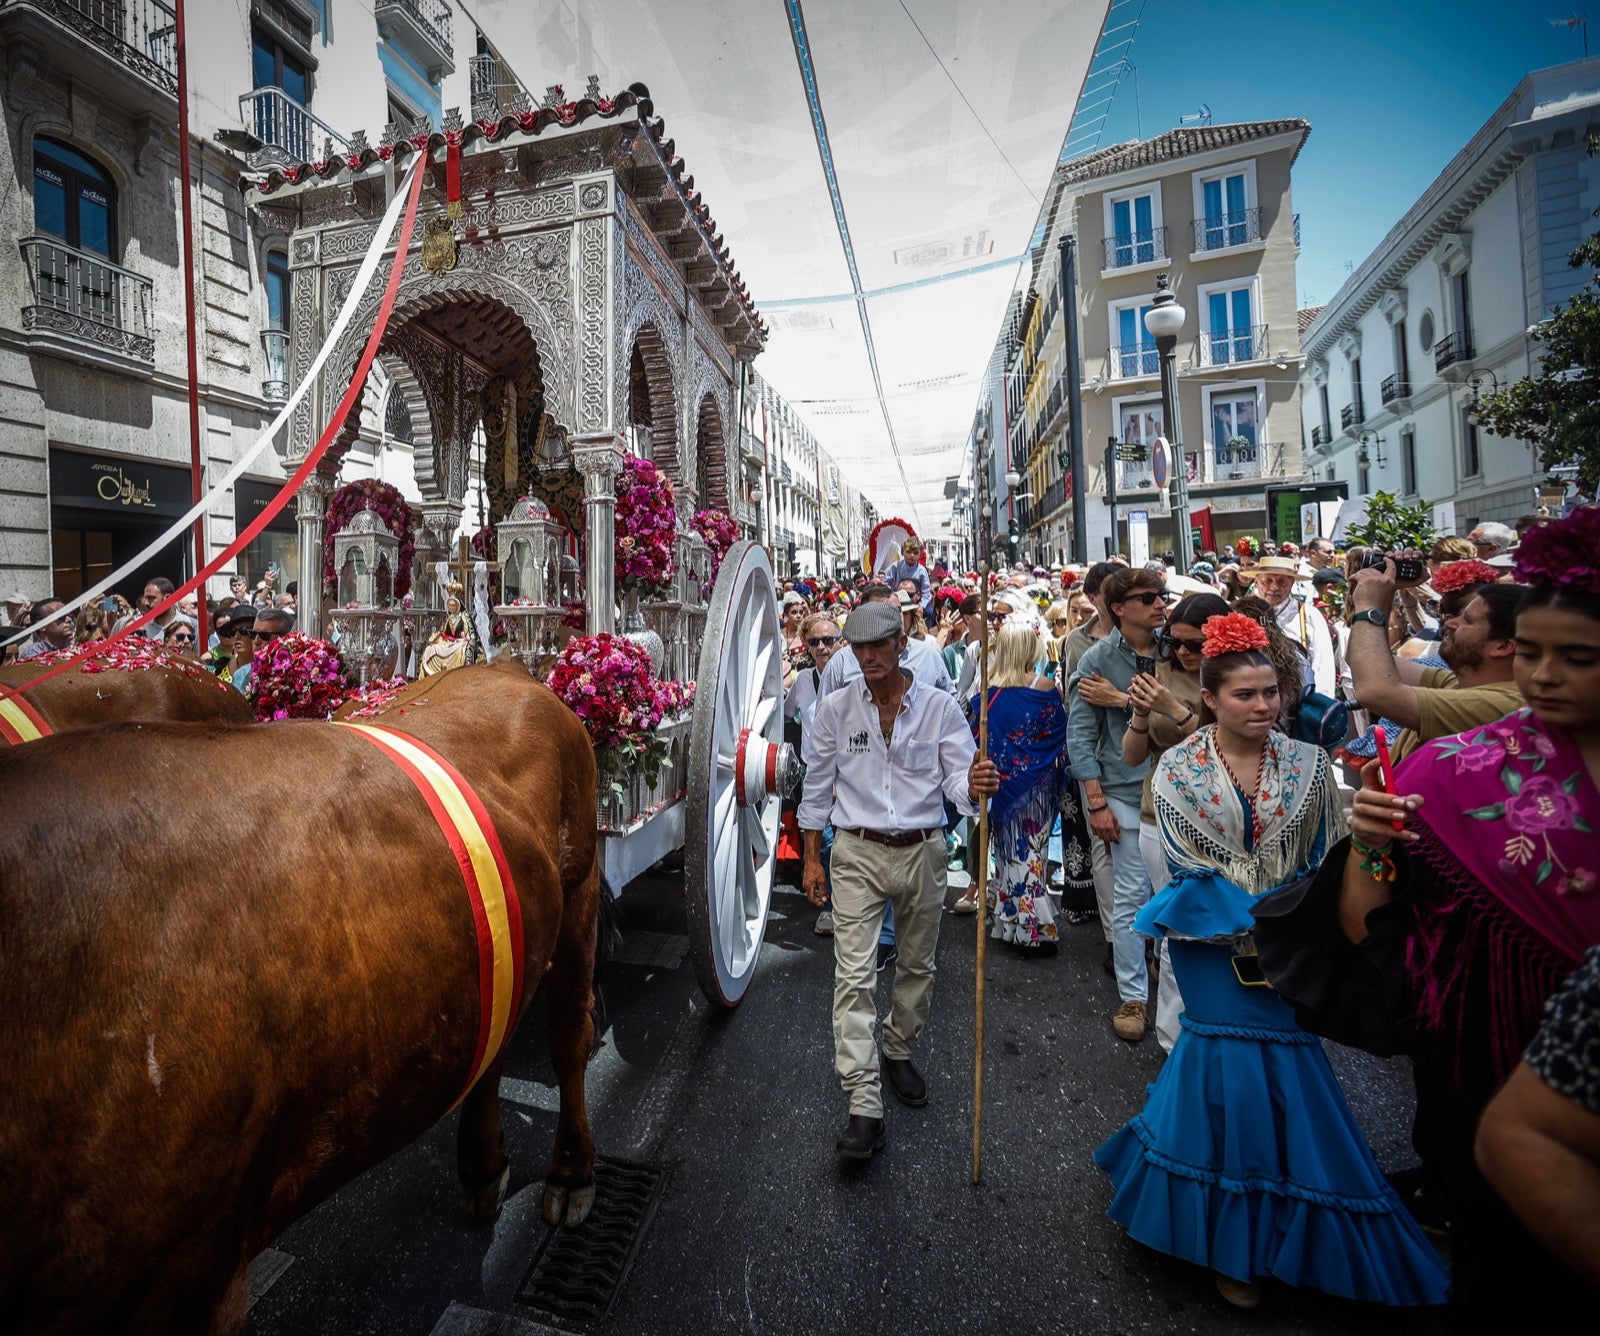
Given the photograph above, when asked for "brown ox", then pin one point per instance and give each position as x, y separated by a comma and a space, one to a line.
197, 1049
183, 690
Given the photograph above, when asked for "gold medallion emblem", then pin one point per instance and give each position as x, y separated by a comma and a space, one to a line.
438, 245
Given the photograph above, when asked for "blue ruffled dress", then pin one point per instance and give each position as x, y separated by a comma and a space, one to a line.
1246, 1157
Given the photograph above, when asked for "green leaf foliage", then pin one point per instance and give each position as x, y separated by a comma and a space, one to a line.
1391, 524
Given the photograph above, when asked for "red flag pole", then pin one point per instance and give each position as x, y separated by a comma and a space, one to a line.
196, 457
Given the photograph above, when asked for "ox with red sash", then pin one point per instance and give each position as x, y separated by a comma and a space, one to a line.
199, 1048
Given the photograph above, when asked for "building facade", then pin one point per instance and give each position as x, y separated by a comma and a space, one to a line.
95, 456
1211, 208
1440, 312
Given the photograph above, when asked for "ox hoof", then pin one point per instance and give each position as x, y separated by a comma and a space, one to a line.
484, 1203
567, 1206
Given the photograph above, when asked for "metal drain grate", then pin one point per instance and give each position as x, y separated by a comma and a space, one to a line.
578, 1273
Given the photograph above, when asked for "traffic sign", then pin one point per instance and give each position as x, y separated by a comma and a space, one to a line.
1158, 461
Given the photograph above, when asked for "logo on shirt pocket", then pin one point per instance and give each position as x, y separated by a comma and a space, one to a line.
857, 744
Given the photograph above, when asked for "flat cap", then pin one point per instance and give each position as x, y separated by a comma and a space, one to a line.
872, 621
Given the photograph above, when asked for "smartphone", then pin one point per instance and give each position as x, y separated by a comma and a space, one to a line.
1144, 663
1386, 767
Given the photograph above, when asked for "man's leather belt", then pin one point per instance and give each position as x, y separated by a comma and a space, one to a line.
892, 841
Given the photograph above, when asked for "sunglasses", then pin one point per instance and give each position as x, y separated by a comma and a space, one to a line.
262, 635
1059, 621
1148, 598
1187, 644
182, 640
820, 642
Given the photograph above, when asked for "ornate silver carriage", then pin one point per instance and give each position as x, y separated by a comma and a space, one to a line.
579, 308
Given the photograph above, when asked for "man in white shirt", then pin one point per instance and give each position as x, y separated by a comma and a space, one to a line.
882, 757
1299, 619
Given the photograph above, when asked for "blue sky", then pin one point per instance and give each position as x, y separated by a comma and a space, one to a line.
1392, 91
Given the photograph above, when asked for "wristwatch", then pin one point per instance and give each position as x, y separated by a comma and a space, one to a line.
1372, 615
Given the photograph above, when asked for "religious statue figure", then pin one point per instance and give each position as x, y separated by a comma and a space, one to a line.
454, 645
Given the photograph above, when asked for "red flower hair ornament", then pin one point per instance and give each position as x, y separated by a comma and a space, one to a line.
1232, 633
1454, 575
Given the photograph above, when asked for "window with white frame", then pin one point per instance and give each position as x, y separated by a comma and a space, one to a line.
1139, 422
1233, 415
1134, 234
1133, 347
1225, 209
1228, 331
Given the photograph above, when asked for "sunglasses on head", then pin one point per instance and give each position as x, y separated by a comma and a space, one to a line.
819, 642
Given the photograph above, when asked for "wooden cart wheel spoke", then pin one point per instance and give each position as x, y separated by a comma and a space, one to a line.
738, 764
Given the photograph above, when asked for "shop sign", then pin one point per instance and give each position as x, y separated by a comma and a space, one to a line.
124, 486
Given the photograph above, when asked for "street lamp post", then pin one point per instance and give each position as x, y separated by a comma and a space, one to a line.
1165, 320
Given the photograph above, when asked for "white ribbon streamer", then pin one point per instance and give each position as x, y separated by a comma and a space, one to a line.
185, 523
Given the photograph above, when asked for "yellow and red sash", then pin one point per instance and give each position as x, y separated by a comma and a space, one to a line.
19, 721
468, 830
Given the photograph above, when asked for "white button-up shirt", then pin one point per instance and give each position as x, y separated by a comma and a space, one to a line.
858, 782
1304, 625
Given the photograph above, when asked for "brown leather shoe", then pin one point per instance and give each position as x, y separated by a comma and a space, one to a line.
1131, 1022
861, 1139
905, 1081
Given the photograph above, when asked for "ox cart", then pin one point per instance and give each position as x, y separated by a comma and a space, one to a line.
571, 306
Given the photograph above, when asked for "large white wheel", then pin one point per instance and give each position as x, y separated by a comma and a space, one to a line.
738, 767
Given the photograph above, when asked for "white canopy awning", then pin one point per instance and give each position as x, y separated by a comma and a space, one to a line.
884, 280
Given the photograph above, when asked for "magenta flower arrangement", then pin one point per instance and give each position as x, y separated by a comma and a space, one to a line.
720, 531
1565, 554
647, 526
610, 684
385, 501
298, 677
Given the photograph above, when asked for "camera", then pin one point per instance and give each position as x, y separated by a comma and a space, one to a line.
1408, 570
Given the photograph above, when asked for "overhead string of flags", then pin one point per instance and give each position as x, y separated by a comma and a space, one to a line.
402, 211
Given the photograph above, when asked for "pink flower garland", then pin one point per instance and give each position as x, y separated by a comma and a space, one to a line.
720, 531
646, 526
610, 684
297, 677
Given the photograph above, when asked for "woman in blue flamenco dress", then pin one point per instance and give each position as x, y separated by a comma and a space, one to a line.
1246, 1158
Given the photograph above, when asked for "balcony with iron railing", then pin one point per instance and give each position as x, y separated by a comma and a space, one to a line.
496, 91
1230, 347
421, 27
1352, 415
86, 307
1452, 348
1320, 436
1135, 475
1394, 388
1235, 460
137, 36
282, 124
1125, 250
1224, 231
1130, 361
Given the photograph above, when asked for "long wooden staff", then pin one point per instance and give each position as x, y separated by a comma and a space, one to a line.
983, 869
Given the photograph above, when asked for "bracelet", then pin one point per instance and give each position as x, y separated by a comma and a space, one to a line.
1140, 731
1140, 714
1376, 860
1100, 808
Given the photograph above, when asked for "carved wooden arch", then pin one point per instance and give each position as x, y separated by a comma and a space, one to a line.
711, 450
657, 397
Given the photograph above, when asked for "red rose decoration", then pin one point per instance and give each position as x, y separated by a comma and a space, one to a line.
1232, 633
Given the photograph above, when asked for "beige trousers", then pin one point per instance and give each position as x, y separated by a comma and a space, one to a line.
865, 876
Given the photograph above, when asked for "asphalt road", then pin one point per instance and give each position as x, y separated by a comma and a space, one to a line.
757, 1227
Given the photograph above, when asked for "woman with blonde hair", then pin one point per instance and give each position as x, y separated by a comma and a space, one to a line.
1027, 741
